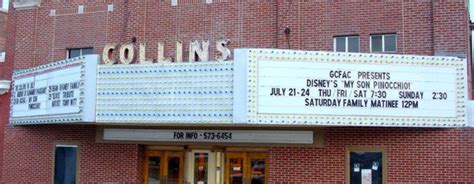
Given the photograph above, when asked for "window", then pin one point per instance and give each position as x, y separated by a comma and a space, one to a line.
2, 57
65, 164
383, 43
246, 166
346, 44
366, 165
72, 53
201, 167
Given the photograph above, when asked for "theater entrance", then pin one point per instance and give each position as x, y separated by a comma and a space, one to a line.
205, 167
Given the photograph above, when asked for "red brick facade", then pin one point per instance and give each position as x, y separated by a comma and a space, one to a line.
3, 27
3, 30
5, 68
97, 162
413, 155
424, 27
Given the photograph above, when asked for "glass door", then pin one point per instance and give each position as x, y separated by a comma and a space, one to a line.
204, 167
163, 167
153, 167
235, 168
174, 162
258, 168
201, 168
246, 168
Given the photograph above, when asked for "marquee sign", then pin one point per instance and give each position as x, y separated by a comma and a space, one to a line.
171, 93
324, 88
261, 86
59, 92
210, 136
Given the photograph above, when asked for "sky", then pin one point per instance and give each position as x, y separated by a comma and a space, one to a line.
471, 9
5, 4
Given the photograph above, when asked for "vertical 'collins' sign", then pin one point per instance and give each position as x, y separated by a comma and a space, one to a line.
59, 92
325, 88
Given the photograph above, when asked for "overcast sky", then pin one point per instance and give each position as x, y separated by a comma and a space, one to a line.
471, 8
5, 4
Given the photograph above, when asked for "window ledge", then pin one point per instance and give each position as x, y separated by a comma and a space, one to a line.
26, 4
386, 52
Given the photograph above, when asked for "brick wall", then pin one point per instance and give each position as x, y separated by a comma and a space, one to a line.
3, 30
413, 155
5, 74
422, 27
449, 28
29, 155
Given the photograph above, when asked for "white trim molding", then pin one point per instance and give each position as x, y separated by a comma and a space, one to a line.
26, 4
4, 86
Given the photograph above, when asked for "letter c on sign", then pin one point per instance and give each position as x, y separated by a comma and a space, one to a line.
127, 53
108, 52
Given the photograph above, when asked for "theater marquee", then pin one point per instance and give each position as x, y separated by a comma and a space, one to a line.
166, 93
323, 88
59, 92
